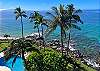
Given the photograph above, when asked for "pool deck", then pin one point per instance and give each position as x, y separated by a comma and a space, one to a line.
4, 68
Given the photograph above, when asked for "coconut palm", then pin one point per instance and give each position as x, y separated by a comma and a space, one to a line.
72, 18
16, 49
60, 17
20, 14
39, 21
33, 18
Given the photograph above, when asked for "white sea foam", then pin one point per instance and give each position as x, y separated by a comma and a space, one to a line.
7, 38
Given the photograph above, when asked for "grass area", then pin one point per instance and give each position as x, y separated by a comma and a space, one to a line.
4, 44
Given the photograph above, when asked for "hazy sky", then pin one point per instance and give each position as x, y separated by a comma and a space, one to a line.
47, 4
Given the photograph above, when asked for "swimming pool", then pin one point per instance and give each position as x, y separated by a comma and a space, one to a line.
18, 66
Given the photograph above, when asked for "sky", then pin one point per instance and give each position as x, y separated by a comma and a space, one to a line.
47, 4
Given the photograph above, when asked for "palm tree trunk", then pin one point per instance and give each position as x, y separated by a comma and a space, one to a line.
68, 39
23, 57
22, 26
69, 35
43, 36
22, 41
39, 36
38, 31
23, 54
42, 30
61, 40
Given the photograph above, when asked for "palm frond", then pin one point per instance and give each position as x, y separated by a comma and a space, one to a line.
31, 18
49, 30
15, 12
77, 18
61, 8
75, 26
50, 14
78, 11
20, 13
55, 10
23, 12
52, 27
17, 16
45, 24
24, 15
18, 9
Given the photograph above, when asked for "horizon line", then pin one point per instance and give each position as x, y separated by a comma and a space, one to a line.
43, 10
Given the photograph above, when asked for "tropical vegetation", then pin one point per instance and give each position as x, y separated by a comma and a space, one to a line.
38, 20
51, 60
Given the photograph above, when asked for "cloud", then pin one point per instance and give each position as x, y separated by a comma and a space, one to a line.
2, 9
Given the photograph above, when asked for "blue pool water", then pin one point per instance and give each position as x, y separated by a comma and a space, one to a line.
2, 63
18, 66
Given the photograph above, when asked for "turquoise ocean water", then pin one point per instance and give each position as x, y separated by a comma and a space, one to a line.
9, 25
90, 28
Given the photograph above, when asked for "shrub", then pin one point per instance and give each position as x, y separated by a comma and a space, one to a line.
51, 60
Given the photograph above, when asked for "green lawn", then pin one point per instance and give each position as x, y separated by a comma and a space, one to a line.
4, 44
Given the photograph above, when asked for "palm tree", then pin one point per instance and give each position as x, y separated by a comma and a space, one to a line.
16, 49
33, 18
58, 19
61, 17
39, 21
72, 18
20, 14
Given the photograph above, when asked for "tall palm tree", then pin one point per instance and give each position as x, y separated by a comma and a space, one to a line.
33, 18
39, 21
60, 17
16, 49
72, 18
20, 14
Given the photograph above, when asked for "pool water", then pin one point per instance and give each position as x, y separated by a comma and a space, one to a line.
18, 66
2, 63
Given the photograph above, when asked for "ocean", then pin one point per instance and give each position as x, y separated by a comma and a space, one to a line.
9, 25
